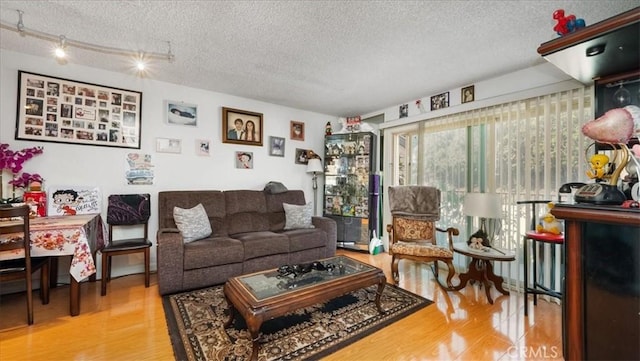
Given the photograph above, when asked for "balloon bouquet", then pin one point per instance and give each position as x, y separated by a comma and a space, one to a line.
616, 128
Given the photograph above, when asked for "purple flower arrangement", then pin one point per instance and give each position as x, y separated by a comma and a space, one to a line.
13, 161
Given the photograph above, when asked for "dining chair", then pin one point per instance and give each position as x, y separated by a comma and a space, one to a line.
14, 237
412, 232
125, 213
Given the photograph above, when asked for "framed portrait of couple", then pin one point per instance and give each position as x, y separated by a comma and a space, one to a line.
241, 127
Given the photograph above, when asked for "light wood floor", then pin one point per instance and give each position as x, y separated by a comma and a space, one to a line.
129, 324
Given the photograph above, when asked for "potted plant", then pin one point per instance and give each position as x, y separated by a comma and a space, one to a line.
12, 162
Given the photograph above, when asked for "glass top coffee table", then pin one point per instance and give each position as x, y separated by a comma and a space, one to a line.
262, 296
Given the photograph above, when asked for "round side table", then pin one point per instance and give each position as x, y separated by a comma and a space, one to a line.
481, 267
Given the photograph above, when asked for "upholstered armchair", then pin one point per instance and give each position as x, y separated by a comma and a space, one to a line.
412, 234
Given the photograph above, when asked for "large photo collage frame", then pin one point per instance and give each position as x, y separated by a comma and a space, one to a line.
60, 110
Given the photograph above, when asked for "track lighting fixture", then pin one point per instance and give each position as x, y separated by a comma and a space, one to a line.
63, 44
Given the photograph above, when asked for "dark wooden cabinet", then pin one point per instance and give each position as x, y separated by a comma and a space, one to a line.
601, 310
605, 48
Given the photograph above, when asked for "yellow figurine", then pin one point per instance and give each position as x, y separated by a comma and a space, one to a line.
599, 166
548, 223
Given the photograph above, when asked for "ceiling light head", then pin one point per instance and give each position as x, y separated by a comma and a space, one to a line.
141, 64
61, 49
20, 23
170, 56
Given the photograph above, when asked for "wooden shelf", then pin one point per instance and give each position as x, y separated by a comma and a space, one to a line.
618, 35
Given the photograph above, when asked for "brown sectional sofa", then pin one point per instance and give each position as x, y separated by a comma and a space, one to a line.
248, 236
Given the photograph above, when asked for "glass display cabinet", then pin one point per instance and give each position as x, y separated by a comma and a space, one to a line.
351, 187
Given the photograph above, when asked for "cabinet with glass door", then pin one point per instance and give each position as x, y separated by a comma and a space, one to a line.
350, 191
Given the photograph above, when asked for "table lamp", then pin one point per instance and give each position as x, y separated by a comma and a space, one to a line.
314, 166
483, 206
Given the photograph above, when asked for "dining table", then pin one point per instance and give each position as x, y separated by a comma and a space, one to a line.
79, 236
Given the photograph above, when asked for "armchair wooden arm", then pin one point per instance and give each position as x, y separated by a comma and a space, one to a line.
451, 231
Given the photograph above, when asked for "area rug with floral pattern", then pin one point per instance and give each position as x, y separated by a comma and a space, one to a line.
196, 325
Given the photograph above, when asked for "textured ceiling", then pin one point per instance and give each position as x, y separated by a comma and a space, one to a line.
341, 58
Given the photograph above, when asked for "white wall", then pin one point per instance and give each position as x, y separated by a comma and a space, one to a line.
486, 90
69, 164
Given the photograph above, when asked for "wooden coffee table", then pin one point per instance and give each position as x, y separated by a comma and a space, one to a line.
262, 296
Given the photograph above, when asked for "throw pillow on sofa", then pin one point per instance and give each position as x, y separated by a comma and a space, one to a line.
193, 223
298, 216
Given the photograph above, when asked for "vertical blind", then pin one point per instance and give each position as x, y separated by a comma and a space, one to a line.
522, 150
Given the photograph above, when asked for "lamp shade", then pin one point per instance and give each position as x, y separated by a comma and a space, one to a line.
483, 205
314, 166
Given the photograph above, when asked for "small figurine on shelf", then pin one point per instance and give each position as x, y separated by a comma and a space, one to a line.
599, 164
548, 223
327, 129
566, 24
36, 199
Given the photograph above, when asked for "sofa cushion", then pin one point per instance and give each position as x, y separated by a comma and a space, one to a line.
193, 223
298, 216
302, 239
214, 251
259, 244
243, 201
246, 222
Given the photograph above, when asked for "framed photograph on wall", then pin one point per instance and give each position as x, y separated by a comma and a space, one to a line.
203, 147
276, 146
168, 145
440, 101
297, 130
241, 127
468, 94
302, 156
404, 110
181, 113
61, 110
244, 160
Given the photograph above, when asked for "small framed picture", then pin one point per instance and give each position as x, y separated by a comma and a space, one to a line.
404, 110
244, 160
202, 147
168, 145
297, 130
468, 94
276, 146
181, 113
241, 127
302, 156
440, 101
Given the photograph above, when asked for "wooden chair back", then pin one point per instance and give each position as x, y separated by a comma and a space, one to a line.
14, 235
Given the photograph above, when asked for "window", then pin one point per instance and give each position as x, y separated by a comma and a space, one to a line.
522, 150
